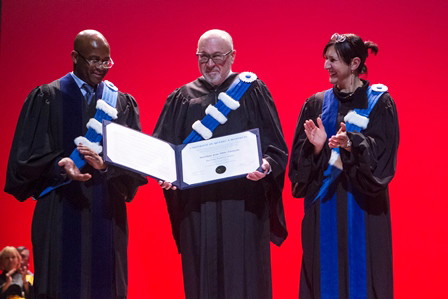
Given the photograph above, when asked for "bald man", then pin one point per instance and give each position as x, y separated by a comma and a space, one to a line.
79, 229
223, 229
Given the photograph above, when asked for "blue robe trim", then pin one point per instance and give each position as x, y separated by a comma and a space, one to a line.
235, 91
357, 263
102, 251
71, 223
357, 255
357, 260
329, 277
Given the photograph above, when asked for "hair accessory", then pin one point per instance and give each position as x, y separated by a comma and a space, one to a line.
338, 38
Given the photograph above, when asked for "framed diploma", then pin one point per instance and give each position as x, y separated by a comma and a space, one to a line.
186, 165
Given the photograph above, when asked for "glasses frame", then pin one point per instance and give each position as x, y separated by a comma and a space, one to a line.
225, 55
107, 64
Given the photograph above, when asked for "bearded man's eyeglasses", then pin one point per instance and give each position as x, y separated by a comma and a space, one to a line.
217, 58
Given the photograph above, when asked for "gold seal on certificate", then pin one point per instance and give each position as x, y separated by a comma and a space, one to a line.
185, 165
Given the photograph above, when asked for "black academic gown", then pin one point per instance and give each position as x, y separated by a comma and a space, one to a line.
368, 168
79, 231
223, 230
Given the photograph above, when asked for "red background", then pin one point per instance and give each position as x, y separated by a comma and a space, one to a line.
153, 45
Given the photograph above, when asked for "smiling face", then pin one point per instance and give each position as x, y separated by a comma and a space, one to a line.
213, 45
90, 46
340, 72
10, 259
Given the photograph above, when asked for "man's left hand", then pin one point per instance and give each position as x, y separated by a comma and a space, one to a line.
258, 175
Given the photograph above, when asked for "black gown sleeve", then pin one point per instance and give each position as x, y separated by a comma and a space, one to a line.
169, 128
371, 163
306, 168
32, 164
274, 148
264, 114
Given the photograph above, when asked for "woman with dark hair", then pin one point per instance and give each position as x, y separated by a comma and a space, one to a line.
343, 158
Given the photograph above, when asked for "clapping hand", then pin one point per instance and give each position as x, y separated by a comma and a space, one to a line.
315, 134
340, 139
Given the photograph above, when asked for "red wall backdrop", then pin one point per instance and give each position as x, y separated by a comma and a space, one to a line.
153, 44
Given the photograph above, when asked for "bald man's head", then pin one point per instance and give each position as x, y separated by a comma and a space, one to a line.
90, 47
216, 33
87, 38
217, 46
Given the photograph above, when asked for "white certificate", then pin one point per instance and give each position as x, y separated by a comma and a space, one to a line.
185, 165
219, 158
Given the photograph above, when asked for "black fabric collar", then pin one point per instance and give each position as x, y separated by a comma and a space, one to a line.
359, 95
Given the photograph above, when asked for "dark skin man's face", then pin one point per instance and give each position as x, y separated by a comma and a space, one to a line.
90, 49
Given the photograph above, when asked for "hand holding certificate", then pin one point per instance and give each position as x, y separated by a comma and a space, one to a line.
186, 165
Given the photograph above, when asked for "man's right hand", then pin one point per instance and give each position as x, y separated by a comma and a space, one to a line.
167, 185
72, 171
